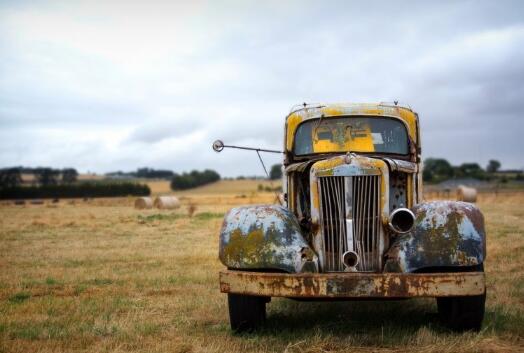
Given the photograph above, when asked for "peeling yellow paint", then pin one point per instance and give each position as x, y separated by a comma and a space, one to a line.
292, 123
409, 190
332, 111
329, 163
411, 120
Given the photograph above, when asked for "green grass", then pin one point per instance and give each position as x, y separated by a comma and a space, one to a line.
204, 216
159, 217
19, 297
100, 281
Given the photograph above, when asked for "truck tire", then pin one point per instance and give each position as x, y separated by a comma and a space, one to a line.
246, 312
463, 313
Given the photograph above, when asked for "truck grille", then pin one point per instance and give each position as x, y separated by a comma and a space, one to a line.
350, 205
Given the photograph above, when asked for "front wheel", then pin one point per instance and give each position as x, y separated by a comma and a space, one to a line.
462, 313
246, 312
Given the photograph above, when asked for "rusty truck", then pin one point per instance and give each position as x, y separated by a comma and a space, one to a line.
353, 223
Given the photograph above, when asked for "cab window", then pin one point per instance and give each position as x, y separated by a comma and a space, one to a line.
351, 134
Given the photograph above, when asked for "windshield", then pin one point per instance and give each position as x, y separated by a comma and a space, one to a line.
351, 134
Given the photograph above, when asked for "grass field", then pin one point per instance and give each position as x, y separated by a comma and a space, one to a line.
244, 187
99, 276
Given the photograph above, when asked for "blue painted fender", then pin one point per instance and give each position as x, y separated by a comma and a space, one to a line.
266, 237
445, 234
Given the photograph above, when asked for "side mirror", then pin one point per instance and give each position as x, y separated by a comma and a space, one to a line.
218, 146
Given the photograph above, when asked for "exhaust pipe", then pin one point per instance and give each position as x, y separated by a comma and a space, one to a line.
401, 220
350, 259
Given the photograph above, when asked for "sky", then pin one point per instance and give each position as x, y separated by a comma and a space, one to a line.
116, 85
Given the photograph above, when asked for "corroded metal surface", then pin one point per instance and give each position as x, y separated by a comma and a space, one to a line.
352, 285
398, 185
265, 237
446, 233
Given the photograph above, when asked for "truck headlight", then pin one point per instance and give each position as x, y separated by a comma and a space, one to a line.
401, 220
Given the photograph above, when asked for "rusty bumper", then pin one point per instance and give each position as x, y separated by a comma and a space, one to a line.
353, 285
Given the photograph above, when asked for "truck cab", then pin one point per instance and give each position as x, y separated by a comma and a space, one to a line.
353, 223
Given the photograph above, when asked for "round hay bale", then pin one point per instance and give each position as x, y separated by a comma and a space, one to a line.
143, 203
466, 194
167, 202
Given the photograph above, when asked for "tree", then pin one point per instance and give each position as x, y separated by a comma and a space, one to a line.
69, 175
437, 169
10, 177
46, 176
193, 179
470, 170
493, 166
276, 172
152, 173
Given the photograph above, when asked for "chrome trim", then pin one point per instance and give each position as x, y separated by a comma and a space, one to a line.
396, 229
350, 221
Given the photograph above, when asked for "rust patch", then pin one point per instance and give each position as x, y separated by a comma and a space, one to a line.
446, 233
264, 237
353, 285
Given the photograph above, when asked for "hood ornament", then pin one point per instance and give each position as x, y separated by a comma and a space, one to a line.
348, 158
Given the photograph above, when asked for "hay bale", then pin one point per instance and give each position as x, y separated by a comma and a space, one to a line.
143, 203
167, 202
466, 194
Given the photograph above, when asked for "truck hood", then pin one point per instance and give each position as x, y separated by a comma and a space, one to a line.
353, 164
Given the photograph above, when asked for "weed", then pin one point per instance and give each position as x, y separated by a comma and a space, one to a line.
50, 281
19, 297
101, 281
147, 328
191, 209
159, 217
204, 216
79, 289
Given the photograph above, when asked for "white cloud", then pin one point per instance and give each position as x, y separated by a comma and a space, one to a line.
118, 85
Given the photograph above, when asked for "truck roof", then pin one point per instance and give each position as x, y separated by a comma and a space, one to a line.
314, 110
303, 112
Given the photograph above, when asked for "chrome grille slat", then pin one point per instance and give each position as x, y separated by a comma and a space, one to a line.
365, 214
342, 239
365, 263
332, 228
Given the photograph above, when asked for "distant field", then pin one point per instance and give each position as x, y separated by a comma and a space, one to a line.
100, 276
226, 187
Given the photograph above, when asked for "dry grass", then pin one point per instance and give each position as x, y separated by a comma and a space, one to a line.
100, 276
239, 188
158, 187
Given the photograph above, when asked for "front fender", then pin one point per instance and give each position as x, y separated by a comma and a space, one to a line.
446, 234
265, 237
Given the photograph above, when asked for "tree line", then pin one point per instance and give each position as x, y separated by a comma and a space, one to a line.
146, 173
439, 169
59, 183
10, 177
193, 179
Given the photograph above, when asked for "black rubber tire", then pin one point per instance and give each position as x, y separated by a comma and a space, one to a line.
462, 313
246, 312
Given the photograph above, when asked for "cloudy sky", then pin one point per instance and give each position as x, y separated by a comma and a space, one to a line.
116, 85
